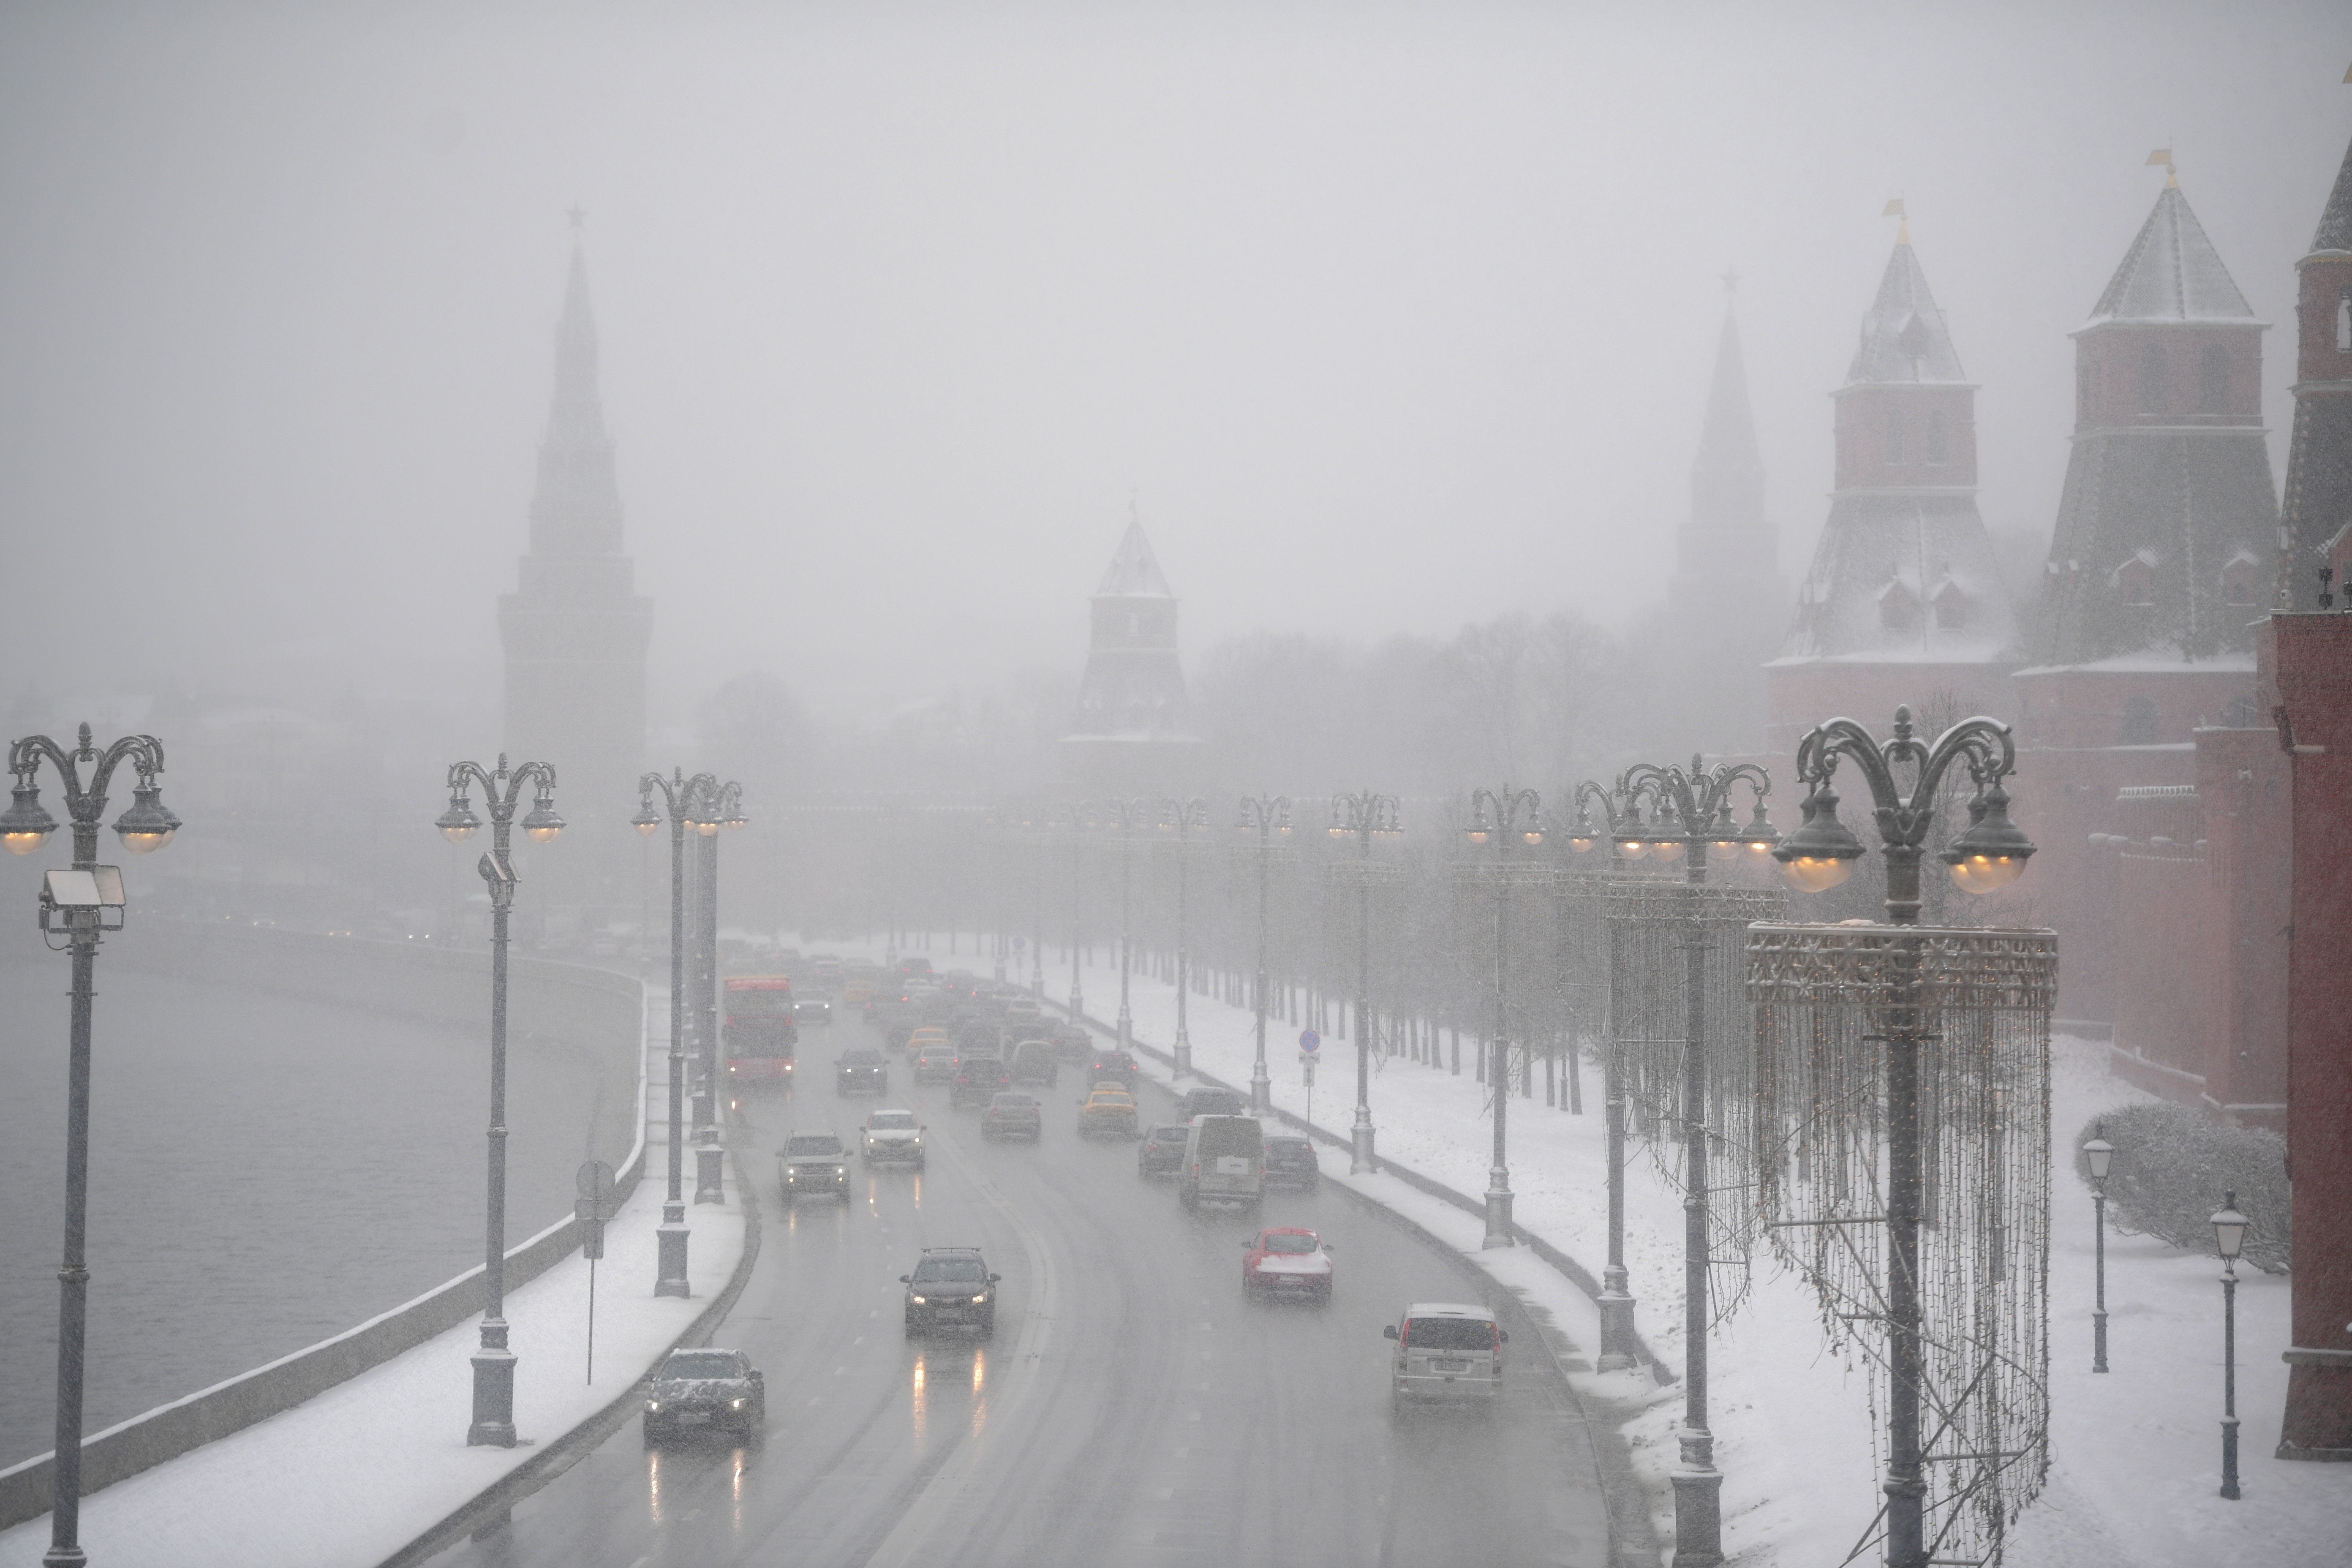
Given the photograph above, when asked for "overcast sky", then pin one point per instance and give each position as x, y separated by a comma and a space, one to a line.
1391, 317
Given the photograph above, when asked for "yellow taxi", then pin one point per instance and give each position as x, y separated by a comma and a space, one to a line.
929, 1035
857, 993
1107, 1111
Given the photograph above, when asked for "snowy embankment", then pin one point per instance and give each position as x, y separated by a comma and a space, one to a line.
2136, 1454
365, 1470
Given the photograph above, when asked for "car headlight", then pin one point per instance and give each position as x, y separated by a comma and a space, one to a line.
735, 1404
919, 1301
841, 1169
652, 1406
978, 1299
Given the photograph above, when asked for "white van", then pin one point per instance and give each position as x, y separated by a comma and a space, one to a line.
1446, 1350
1225, 1162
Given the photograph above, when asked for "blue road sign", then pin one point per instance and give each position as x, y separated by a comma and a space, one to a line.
1308, 1041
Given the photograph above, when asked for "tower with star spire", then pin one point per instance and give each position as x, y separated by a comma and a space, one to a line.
1132, 728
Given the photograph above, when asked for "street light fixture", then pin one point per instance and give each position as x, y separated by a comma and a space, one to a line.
2229, 1235
1506, 819
1615, 1301
2099, 1152
1691, 811
1126, 816
681, 799
78, 903
722, 807
1819, 854
494, 1363
1183, 817
1267, 817
1076, 818
1365, 816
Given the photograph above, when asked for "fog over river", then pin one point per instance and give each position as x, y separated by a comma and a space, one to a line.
264, 1172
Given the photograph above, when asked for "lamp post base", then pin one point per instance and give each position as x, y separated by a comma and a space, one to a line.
671, 1237
709, 1175
1698, 1504
1126, 1029
2098, 1341
494, 1365
1616, 1323
1498, 1218
1261, 1092
1361, 1162
1182, 1052
2230, 1459
703, 1130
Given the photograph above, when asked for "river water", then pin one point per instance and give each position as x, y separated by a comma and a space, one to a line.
265, 1173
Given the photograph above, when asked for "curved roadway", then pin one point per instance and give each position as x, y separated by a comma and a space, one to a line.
1132, 1408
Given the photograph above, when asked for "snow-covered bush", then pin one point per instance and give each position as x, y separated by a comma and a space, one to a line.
2173, 1164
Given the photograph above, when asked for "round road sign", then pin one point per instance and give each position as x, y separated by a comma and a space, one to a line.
1308, 1041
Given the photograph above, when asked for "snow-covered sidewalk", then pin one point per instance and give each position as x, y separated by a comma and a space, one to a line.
361, 1471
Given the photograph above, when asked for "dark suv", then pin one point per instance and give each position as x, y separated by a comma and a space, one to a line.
1071, 1041
713, 1388
1032, 1062
812, 1164
1290, 1162
979, 1076
950, 1287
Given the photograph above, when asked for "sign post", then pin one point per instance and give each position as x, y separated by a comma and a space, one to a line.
593, 1182
1309, 1042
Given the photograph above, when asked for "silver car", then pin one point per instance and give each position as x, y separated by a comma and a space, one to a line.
1446, 1350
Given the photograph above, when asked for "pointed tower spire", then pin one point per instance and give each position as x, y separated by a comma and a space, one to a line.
575, 631
1725, 539
2166, 530
2316, 518
1130, 728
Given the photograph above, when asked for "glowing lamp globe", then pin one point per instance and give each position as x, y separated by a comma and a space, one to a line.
25, 822
1808, 875
148, 825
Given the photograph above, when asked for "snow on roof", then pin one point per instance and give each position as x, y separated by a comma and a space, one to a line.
2152, 661
1904, 338
1134, 571
2171, 273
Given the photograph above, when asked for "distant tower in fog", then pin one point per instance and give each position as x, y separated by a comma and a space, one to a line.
1726, 603
575, 631
1132, 729
2166, 548
1903, 602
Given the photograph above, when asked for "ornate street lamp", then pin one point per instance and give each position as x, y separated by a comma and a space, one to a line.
494, 1363
1075, 818
1126, 816
2099, 1152
1183, 817
721, 807
78, 902
1691, 813
681, 799
2229, 1235
1364, 817
1267, 817
1615, 1301
1505, 819
1988, 854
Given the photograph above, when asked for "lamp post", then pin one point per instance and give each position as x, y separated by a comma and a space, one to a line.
1511, 816
1267, 816
1077, 818
1367, 816
1042, 836
1989, 853
494, 1364
77, 902
2099, 1151
1615, 1302
2229, 1235
681, 800
1126, 816
1693, 811
722, 807
1183, 817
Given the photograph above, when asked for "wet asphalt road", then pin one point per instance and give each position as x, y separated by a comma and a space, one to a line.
1131, 1409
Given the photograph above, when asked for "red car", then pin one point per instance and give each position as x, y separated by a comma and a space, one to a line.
1287, 1261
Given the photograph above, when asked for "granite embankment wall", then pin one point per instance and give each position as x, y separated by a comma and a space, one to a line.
595, 1009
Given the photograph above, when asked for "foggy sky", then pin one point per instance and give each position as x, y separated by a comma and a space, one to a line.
1390, 318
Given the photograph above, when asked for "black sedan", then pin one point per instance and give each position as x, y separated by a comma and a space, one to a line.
861, 1070
1162, 1153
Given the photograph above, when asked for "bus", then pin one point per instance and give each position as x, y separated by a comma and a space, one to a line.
759, 1033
